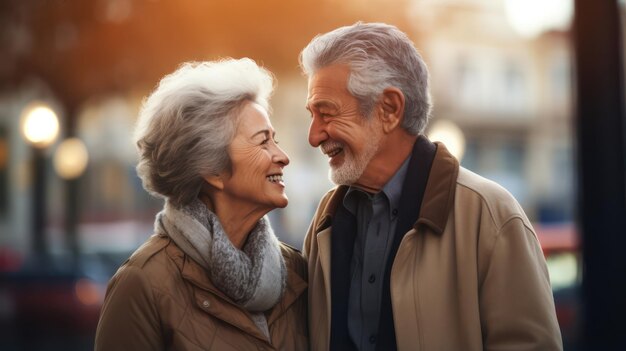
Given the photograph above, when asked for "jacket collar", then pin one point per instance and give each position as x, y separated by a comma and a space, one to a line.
440, 189
438, 197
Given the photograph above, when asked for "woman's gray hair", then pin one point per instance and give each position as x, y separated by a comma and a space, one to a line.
186, 125
379, 56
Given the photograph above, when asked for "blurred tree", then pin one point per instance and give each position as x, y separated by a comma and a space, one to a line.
86, 48
83, 49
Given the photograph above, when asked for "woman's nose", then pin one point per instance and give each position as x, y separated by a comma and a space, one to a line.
280, 156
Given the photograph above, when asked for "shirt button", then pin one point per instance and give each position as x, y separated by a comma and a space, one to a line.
394, 212
206, 303
372, 339
372, 278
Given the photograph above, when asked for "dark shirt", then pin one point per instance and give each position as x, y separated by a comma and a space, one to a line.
376, 216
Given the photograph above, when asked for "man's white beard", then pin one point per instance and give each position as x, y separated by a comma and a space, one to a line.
353, 166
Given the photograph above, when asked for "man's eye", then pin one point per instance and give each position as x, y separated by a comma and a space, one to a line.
264, 141
276, 141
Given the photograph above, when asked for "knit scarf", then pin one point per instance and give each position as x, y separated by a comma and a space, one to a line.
253, 277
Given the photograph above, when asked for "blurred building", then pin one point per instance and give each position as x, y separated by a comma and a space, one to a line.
97, 60
510, 95
16, 169
508, 92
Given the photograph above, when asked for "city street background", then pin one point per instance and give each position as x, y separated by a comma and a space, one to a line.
502, 85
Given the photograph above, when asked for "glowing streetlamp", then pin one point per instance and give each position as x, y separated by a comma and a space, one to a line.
71, 158
40, 127
70, 161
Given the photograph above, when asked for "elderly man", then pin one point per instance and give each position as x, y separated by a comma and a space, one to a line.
410, 251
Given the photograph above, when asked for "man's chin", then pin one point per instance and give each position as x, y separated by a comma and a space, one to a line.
341, 177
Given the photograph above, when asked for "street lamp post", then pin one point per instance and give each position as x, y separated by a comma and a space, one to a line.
40, 127
70, 161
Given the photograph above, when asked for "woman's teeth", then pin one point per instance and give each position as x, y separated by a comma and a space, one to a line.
275, 178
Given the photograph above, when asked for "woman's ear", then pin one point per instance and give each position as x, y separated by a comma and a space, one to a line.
392, 108
215, 180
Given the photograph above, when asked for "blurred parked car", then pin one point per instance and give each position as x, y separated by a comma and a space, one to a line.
560, 244
54, 305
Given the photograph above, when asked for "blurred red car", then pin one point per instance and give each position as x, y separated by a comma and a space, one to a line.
561, 248
51, 306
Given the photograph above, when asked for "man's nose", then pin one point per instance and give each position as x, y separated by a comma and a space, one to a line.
317, 132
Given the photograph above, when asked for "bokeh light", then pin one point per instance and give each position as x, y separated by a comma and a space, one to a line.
40, 125
71, 158
4, 154
450, 134
530, 18
88, 292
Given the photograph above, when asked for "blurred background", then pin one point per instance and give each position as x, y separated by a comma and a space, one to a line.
73, 74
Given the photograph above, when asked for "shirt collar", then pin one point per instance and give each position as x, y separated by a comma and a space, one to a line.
392, 190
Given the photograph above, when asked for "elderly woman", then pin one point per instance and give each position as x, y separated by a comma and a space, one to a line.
213, 276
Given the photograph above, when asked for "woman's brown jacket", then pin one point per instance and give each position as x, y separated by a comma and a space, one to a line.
160, 299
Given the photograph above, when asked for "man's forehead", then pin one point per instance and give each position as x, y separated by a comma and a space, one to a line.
326, 84
320, 104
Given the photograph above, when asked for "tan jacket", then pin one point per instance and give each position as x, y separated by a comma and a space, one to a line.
160, 299
469, 275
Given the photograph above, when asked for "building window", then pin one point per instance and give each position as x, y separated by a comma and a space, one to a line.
468, 84
514, 86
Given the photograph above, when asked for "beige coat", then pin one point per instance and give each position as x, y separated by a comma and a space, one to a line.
469, 275
160, 299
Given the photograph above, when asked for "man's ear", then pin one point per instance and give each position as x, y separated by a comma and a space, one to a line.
391, 108
215, 180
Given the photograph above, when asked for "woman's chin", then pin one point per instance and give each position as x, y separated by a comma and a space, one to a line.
282, 203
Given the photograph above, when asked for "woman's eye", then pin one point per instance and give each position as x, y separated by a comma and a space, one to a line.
264, 141
276, 141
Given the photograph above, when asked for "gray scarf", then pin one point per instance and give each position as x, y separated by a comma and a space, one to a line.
254, 277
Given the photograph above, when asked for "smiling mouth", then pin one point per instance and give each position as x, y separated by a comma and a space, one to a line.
275, 178
332, 149
334, 152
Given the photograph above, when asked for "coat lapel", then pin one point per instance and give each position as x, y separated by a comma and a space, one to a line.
295, 287
413, 190
324, 232
439, 194
414, 186
342, 244
323, 244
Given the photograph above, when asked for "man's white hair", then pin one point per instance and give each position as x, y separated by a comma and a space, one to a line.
379, 56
